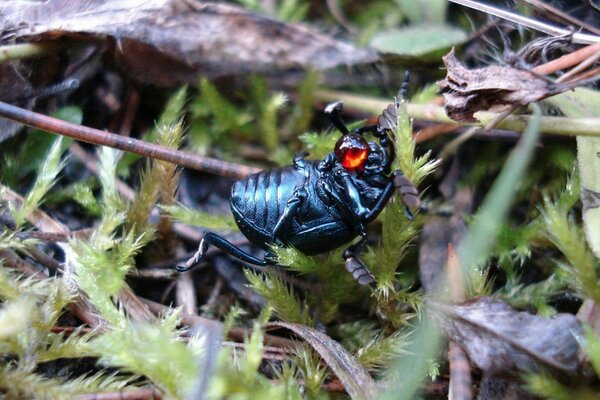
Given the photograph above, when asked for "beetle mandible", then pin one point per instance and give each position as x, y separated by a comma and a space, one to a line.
319, 205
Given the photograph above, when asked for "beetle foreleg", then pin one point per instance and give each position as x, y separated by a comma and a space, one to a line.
223, 244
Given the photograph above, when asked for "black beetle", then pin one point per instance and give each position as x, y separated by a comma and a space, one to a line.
319, 205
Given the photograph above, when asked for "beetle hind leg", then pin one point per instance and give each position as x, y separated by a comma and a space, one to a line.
223, 244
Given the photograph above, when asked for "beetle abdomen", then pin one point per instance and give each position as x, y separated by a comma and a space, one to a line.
258, 201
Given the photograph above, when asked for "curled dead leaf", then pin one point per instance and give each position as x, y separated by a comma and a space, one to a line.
467, 91
502, 341
357, 381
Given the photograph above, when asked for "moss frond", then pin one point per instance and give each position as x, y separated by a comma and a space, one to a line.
319, 144
280, 296
19, 384
302, 111
231, 317
268, 109
15, 317
151, 350
74, 345
415, 168
226, 115
11, 241
294, 260
239, 376
398, 231
46, 178
170, 136
546, 387
113, 206
174, 108
311, 370
139, 211
190, 216
569, 238
371, 347
378, 352
591, 346
537, 294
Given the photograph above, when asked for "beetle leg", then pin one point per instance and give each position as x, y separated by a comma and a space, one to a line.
223, 244
299, 161
298, 196
410, 194
356, 266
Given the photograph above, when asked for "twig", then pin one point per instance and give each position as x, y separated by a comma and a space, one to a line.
568, 60
147, 393
589, 76
581, 67
460, 371
96, 136
185, 293
55, 236
236, 333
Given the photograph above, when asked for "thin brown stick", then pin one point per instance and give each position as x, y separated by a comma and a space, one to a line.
96, 136
236, 333
579, 68
146, 393
586, 77
568, 60
185, 294
460, 370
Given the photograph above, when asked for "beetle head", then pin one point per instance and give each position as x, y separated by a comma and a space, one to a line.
352, 151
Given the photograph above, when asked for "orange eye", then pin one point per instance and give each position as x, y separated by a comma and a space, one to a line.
352, 150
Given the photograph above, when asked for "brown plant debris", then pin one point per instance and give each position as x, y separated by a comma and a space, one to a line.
467, 91
166, 42
502, 341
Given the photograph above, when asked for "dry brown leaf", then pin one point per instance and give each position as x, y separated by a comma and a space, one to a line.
467, 91
166, 42
502, 341
357, 381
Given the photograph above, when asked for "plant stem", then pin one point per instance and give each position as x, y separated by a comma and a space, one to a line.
26, 50
430, 112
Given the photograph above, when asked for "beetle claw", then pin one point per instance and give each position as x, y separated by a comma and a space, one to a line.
195, 259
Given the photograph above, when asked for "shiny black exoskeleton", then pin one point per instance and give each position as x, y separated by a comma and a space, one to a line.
319, 205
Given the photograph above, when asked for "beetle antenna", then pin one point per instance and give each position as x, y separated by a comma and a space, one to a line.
334, 113
404, 88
